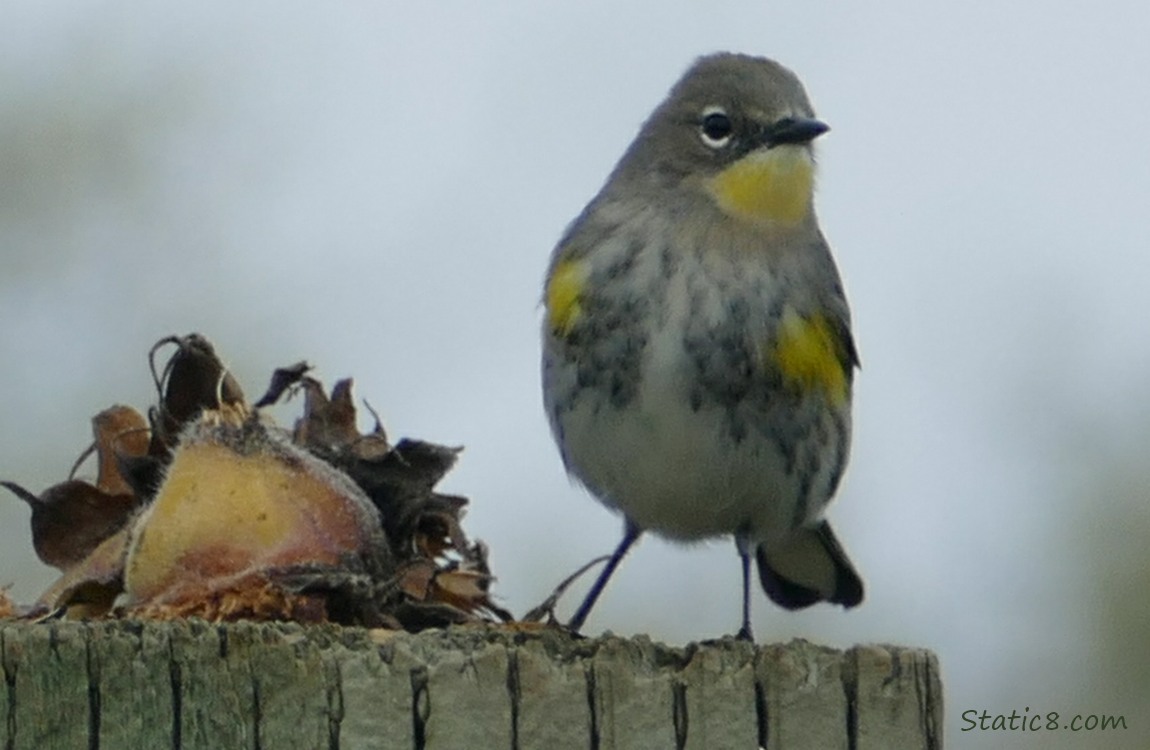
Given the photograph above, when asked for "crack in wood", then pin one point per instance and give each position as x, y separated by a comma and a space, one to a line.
335, 708
850, 677
592, 706
924, 687
680, 719
420, 706
514, 693
93, 673
762, 716
257, 714
175, 678
10, 684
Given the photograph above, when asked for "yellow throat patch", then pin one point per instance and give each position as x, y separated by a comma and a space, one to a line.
810, 355
564, 287
772, 185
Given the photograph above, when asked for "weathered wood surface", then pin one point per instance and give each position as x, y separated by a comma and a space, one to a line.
185, 685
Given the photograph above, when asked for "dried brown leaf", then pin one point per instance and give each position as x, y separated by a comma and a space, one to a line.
193, 380
463, 588
415, 578
120, 432
72, 518
95, 582
327, 424
283, 379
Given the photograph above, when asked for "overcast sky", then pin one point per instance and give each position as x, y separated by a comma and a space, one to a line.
378, 190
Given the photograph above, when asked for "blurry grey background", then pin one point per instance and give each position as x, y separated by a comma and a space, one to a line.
376, 188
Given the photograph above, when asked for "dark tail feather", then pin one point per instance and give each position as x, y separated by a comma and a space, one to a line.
809, 567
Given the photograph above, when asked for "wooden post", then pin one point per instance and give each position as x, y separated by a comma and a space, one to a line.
190, 684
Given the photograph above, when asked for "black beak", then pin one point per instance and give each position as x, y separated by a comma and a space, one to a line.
793, 130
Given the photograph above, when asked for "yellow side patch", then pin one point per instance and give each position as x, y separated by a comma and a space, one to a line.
773, 185
564, 288
809, 355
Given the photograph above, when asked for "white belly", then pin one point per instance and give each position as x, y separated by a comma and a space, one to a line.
675, 470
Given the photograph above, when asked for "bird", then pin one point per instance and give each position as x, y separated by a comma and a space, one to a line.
697, 354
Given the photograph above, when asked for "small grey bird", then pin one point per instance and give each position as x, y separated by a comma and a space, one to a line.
697, 350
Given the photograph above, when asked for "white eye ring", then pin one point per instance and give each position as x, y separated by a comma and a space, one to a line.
715, 127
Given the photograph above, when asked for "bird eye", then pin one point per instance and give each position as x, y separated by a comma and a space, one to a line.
715, 127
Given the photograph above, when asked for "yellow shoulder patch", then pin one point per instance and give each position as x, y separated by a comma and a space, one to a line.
564, 288
810, 355
774, 185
